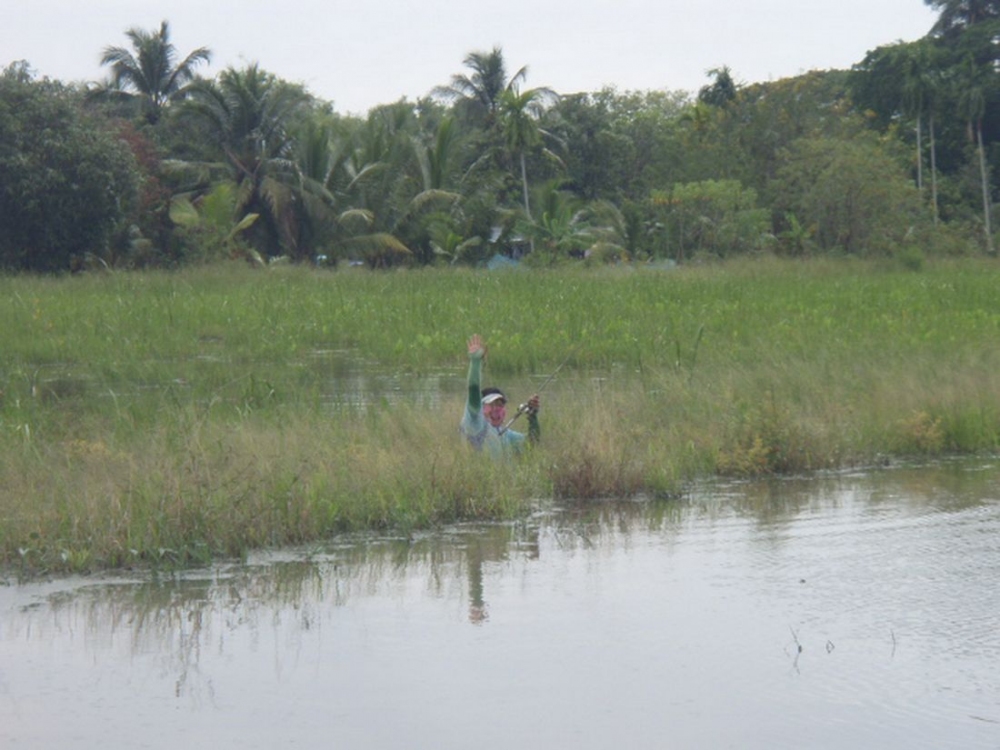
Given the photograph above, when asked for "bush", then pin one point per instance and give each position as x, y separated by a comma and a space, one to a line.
68, 181
857, 197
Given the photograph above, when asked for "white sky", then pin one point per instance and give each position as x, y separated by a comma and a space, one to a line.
360, 53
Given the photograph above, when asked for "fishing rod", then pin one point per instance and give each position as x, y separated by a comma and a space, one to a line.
524, 408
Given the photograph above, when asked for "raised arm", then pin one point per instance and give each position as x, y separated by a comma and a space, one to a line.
477, 353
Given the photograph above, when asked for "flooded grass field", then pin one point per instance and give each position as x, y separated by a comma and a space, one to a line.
844, 611
171, 420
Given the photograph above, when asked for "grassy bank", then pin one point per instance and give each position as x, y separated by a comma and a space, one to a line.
173, 418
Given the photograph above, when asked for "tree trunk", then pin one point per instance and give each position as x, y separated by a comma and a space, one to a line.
527, 206
934, 195
920, 156
986, 189
524, 187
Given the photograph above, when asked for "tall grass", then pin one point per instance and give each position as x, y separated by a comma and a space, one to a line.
176, 417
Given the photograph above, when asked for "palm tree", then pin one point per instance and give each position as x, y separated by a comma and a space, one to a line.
383, 160
905, 79
482, 90
971, 29
959, 15
519, 113
248, 113
972, 101
509, 115
560, 228
320, 156
212, 219
721, 91
359, 191
438, 158
152, 72
919, 91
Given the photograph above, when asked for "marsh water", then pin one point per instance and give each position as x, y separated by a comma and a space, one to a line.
854, 610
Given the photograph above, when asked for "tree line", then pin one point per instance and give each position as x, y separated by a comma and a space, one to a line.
159, 166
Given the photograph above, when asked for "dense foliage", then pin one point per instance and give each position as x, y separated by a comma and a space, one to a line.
68, 180
895, 156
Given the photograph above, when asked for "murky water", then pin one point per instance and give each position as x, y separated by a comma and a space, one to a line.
850, 611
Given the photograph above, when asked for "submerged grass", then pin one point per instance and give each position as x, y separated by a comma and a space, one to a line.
170, 419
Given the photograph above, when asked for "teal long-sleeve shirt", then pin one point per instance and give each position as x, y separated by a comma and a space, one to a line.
477, 429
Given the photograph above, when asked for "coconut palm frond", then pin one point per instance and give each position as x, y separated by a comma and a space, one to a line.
245, 223
455, 249
553, 158
244, 195
193, 175
379, 250
218, 206
424, 202
366, 173
314, 190
360, 219
430, 199
378, 242
182, 211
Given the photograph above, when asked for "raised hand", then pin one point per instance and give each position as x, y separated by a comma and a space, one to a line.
476, 346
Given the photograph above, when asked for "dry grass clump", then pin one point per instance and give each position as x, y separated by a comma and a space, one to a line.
201, 489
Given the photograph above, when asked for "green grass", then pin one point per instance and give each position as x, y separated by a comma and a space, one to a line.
172, 418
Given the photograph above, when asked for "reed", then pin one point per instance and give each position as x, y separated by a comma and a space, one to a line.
173, 418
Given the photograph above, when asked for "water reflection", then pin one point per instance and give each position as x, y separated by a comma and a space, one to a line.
844, 611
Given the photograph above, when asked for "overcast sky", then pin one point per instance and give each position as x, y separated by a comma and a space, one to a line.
360, 53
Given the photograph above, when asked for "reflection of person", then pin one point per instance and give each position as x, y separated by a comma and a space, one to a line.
478, 611
486, 411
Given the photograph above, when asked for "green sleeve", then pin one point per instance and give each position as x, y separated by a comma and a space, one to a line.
475, 402
534, 430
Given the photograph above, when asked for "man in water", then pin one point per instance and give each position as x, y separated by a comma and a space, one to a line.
486, 411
